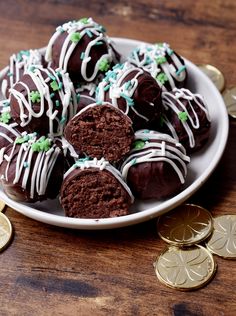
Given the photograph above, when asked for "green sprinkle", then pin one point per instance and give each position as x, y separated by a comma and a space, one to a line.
60, 85
99, 102
57, 103
21, 140
35, 96
107, 87
22, 53
161, 121
5, 117
63, 119
31, 68
146, 131
129, 100
170, 51
102, 29
9, 74
99, 43
128, 85
162, 78
159, 45
84, 20
51, 77
134, 161
138, 144
89, 33
26, 164
104, 65
6, 103
75, 37
181, 69
43, 144
54, 85
183, 116
78, 97
58, 73
82, 55
161, 60
52, 95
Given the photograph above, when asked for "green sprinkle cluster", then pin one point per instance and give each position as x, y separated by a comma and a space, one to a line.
43, 144
84, 20
138, 144
161, 60
54, 85
104, 65
35, 96
183, 116
23, 139
75, 37
162, 78
5, 117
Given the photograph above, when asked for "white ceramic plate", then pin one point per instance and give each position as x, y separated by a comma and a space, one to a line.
201, 166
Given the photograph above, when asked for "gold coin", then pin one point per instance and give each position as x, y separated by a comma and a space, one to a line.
186, 225
215, 75
185, 269
5, 231
223, 240
229, 96
2, 206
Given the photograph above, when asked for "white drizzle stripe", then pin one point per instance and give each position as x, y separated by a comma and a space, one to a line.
157, 147
67, 100
193, 100
100, 164
145, 56
68, 46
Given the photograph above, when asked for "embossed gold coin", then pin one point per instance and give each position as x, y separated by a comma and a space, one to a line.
229, 96
186, 225
5, 231
2, 206
223, 240
185, 269
215, 75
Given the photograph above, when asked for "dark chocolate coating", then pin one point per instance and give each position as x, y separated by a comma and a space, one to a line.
93, 193
75, 61
101, 131
4, 142
16, 192
153, 180
200, 134
36, 124
146, 92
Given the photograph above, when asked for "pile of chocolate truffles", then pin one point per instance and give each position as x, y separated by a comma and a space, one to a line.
78, 125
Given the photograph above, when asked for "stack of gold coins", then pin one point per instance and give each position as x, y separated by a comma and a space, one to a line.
229, 94
184, 265
5, 229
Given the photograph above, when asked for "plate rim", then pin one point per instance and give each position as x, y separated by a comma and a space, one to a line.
144, 215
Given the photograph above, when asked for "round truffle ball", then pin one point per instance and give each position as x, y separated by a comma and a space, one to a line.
133, 91
43, 101
186, 118
95, 189
20, 63
100, 131
164, 64
156, 167
82, 49
32, 169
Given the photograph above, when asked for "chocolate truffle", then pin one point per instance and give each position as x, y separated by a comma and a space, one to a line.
32, 169
43, 101
18, 65
133, 91
100, 131
9, 130
165, 65
94, 189
82, 49
186, 118
156, 167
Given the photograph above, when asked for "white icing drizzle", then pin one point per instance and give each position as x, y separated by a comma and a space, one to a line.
146, 56
118, 87
18, 65
193, 100
97, 35
40, 171
100, 164
157, 147
66, 103
8, 130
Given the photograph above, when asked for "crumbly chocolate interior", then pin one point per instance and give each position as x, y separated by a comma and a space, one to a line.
93, 193
101, 131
